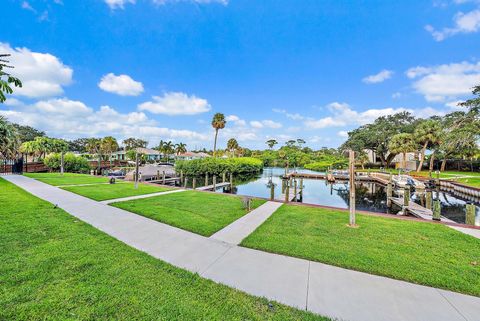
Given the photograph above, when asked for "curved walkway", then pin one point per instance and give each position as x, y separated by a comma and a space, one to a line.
320, 288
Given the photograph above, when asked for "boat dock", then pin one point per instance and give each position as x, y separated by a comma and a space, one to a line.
164, 181
371, 177
417, 210
213, 187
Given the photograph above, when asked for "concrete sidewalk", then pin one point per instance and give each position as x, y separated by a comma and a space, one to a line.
244, 226
320, 288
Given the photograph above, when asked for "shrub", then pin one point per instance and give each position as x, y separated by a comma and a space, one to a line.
217, 166
72, 163
325, 165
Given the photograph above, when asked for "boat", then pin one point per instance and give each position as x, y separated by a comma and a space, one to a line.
403, 181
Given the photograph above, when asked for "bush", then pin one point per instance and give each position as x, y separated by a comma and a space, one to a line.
325, 165
72, 163
217, 166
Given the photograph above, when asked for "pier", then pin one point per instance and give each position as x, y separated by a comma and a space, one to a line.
213, 187
417, 210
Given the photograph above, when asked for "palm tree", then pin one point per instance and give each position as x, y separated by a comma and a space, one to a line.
402, 144
426, 134
218, 122
9, 141
180, 148
232, 145
94, 146
271, 143
168, 149
109, 145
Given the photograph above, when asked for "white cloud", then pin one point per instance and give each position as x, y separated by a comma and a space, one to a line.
42, 74
463, 23
176, 103
72, 119
377, 78
396, 95
295, 116
236, 120
265, 123
343, 115
343, 134
447, 81
122, 85
118, 4
27, 6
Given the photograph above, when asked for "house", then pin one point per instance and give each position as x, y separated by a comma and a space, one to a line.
412, 159
191, 156
150, 154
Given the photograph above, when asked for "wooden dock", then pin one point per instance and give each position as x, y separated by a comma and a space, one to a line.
167, 180
212, 187
417, 210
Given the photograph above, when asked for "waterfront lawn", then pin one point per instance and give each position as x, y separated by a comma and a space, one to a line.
54, 266
418, 252
102, 192
57, 179
198, 212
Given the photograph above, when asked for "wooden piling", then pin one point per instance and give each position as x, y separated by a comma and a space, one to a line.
287, 194
214, 182
428, 199
351, 165
301, 189
181, 177
231, 182
224, 177
470, 216
158, 175
272, 191
389, 193
206, 179
194, 183
406, 196
163, 178
295, 190
437, 208
186, 182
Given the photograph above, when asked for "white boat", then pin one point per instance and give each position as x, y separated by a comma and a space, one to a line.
405, 180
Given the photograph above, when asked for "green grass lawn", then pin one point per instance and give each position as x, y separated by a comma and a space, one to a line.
57, 179
423, 253
198, 212
103, 192
53, 266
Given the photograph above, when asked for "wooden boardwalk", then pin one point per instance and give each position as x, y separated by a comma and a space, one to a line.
167, 180
417, 210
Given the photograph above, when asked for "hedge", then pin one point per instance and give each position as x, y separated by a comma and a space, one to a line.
325, 165
72, 163
217, 166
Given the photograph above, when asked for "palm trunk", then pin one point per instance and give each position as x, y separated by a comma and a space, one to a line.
432, 159
444, 163
404, 160
215, 144
422, 157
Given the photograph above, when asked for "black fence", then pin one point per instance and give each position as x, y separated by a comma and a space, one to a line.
12, 166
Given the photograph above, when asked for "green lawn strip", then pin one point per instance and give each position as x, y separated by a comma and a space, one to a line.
57, 179
102, 192
53, 266
198, 212
423, 253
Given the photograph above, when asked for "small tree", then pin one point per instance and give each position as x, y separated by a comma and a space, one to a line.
232, 145
402, 144
109, 145
271, 143
426, 134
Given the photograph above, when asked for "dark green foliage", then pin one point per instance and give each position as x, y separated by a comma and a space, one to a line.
218, 166
73, 163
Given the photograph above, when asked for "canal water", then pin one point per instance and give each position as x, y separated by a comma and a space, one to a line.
369, 196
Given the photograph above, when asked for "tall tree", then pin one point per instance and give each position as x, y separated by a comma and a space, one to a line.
218, 122
109, 145
27, 133
6, 80
426, 134
94, 146
232, 145
271, 143
402, 144
132, 143
180, 148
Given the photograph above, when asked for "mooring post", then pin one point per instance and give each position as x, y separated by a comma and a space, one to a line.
301, 189
224, 177
428, 199
406, 196
181, 177
287, 194
194, 182
437, 180
389, 193
186, 182
158, 174
214, 182
206, 179
163, 179
231, 182
437, 208
272, 191
351, 165
136, 170
470, 217
295, 190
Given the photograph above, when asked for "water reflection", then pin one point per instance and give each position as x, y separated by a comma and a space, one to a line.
369, 196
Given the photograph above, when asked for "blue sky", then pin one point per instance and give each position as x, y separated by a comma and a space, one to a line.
277, 69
